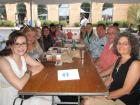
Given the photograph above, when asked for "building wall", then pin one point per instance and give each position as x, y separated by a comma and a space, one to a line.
74, 13
96, 12
53, 12
34, 11
119, 12
11, 11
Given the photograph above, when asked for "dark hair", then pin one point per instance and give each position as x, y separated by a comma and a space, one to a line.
133, 41
42, 31
11, 40
52, 25
101, 25
59, 25
89, 24
116, 24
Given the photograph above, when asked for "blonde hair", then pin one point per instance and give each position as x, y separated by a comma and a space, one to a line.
26, 29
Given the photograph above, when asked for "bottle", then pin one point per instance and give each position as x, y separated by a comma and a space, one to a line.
63, 42
73, 44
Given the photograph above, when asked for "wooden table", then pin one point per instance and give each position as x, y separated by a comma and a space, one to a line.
46, 82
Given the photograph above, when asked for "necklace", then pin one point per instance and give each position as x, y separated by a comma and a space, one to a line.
122, 61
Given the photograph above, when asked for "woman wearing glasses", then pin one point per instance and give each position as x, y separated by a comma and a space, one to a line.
14, 74
124, 83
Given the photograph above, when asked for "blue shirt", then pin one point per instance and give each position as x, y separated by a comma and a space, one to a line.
97, 46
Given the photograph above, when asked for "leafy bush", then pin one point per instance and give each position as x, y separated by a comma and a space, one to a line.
134, 14
6, 23
101, 22
77, 24
122, 24
107, 23
94, 24
55, 22
64, 23
48, 22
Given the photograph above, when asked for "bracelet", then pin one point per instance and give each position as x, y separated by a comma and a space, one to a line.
107, 97
28, 72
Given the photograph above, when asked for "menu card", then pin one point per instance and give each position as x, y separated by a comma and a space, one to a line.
68, 74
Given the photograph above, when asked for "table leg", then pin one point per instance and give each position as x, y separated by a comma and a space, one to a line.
78, 100
52, 100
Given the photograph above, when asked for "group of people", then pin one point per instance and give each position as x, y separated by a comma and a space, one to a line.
16, 68
115, 56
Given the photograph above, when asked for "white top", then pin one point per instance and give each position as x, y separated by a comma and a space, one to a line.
7, 92
84, 22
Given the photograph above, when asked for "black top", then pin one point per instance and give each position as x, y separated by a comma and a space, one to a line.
119, 79
46, 42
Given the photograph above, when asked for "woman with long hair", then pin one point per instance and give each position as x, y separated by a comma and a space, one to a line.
14, 73
34, 49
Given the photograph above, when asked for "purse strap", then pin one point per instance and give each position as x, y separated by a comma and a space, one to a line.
16, 99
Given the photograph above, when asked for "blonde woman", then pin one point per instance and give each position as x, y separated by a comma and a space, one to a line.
34, 49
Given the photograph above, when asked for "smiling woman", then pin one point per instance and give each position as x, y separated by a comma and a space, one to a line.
34, 49
124, 82
14, 72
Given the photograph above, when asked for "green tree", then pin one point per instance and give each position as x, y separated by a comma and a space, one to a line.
42, 9
107, 5
86, 6
21, 10
134, 14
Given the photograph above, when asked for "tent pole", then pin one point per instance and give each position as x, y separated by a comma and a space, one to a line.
91, 11
31, 12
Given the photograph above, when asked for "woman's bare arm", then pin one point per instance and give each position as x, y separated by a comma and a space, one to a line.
11, 77
33, 65
132, 78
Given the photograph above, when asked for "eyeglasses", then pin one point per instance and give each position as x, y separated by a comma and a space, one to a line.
20, 45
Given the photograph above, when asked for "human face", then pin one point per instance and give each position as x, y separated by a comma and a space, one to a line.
53, 28
111, 33
20, 46
31, 37
46, 32
58, 27
123, 46
88, 28
101, 31
38, 33
83, 29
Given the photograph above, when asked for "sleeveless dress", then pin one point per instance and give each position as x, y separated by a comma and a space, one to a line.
119, 79
8, 93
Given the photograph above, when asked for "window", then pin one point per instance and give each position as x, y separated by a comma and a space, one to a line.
107, 12
42, 12
21, 12
64, 12
85, 9
2, 12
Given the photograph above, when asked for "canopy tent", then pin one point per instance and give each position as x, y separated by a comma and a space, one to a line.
83, 11
69, 1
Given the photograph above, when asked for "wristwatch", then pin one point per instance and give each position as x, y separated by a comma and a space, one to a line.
28, 72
